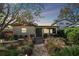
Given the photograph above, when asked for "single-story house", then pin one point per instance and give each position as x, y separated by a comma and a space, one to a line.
33, 30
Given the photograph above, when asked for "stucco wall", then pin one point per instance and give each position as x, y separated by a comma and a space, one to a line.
45, 30
63, 24
18, 30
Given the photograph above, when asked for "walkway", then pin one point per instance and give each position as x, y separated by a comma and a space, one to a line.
38, 40
39, 50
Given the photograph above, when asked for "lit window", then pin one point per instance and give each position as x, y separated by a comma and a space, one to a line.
24, 30
50, 30
46, 30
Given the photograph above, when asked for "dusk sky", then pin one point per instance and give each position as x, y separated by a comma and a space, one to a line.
50, 13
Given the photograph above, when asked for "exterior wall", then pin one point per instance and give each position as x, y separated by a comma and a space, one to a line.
31, 30
17, 30
63, 24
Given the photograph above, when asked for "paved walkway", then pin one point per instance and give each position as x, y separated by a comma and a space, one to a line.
39, 50
39, 40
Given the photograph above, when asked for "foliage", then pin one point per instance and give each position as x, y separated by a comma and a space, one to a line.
11, 37
27, 50
1, 36
60, 33
13, 51
26, 47
70, 12
72, 34
68, 51
10, 52
45, 35
54, 44
18, 13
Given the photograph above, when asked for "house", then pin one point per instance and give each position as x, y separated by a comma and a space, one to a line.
23, 29
33, 30
49, 30
65, 23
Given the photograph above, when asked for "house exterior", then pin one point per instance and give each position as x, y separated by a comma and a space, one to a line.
49, 30
24, 29
75, 25
65, 23
33, 30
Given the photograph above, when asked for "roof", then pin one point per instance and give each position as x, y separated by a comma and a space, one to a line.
46, 26
29, 24
61, 20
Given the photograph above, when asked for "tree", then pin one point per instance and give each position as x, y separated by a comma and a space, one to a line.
11, 13
69, 12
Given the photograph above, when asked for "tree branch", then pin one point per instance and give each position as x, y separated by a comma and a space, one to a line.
5, 18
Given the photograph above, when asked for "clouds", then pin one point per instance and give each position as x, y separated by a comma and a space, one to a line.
48, 18
50, 13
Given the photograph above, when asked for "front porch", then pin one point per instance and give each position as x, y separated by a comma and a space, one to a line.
45, 30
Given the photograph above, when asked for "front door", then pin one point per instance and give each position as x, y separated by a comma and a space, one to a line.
38, 32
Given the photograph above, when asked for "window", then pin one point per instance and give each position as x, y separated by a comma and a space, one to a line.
51, 31
46, 30
24, 30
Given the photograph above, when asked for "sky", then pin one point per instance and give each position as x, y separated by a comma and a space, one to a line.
50, 13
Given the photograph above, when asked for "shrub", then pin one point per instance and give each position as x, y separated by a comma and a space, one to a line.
61, 33
9, 52
72, 34
12, 52
1, 35
54, 44
26, 49
68, 51
15, 37
45, 35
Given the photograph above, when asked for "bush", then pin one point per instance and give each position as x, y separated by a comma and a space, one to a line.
72, 34
68, 51
9, 52
54, 44
15, 37
1, 35
12, 52
61, 33
27, 50
45, 35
